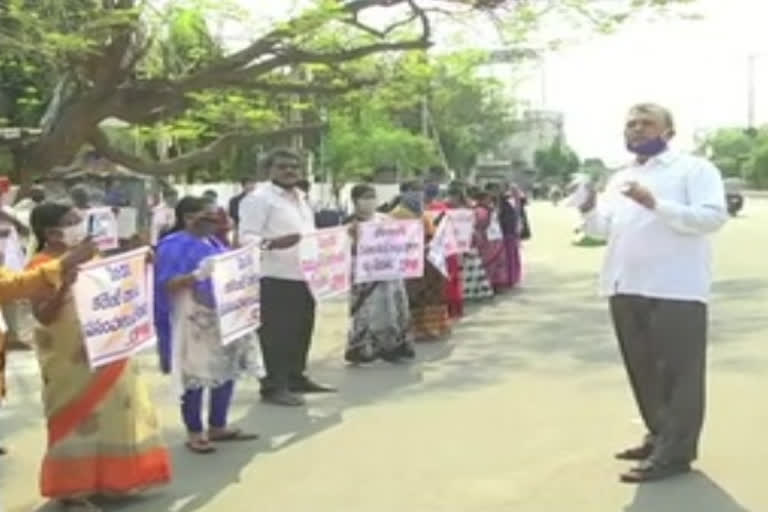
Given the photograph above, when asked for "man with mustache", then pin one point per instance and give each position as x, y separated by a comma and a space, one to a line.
278, 214
657, 215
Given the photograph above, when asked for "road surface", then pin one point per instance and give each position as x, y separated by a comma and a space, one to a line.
519, 412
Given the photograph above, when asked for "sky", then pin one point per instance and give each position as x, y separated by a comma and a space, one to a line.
698, 69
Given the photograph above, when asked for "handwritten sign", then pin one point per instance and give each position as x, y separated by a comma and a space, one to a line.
237, 292
325, 261
389, 250
103, 228
446, 236
463, 222
127, 222
10, 247
441, 246
114, 304
162, 219
493, 232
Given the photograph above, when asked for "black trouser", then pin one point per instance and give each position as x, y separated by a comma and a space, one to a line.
663, 343
287, 323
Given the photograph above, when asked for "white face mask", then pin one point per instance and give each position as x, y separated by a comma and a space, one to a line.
366, 206
73, 235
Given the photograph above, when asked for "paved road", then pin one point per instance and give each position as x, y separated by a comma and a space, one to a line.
519, 412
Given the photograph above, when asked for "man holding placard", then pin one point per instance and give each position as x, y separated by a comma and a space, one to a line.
277, 213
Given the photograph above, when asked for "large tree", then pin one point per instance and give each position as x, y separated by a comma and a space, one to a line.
98, 60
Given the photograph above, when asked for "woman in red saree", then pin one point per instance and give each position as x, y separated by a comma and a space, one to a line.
454, 286
103, 431
490, 242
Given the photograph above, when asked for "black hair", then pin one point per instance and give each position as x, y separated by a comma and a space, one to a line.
457, 188
360, 190
211, 192
189, 204
276, 153
44, 217
408, 186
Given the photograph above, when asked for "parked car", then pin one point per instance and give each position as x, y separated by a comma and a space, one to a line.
734, 197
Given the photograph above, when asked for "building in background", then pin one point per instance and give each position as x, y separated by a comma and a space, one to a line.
513, 160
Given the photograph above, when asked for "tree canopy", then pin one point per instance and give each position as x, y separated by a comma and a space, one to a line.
739, 153
168, 70
556, 163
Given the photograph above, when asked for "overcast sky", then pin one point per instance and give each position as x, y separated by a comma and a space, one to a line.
696, 68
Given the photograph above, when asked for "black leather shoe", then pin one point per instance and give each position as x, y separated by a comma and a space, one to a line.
307, 385
641, 452
654, 471
282, 397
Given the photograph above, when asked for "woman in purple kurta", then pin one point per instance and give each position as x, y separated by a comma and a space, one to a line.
189, 341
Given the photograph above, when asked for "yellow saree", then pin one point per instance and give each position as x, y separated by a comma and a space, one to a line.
103, 431
23, 285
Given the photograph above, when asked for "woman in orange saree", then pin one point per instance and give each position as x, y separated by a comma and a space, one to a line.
103, 431
38, 282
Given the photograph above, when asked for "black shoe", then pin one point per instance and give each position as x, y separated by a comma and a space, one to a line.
407, 352
392, 356
306, 385
641, 452
282, 397
356, 356
654, 471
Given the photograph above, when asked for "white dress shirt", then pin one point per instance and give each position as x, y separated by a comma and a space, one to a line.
662, 253
271, 212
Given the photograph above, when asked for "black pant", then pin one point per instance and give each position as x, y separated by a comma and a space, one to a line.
663, 343
287, 323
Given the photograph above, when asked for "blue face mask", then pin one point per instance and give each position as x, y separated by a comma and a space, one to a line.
649, 148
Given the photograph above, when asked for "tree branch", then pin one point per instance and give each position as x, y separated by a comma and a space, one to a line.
276, 50
201, 156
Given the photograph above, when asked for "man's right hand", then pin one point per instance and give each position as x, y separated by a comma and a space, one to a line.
591, 201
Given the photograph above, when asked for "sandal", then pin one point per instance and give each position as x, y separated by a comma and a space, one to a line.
234, 435
200, 447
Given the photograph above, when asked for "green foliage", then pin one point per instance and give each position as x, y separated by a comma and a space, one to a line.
472, 114
556, 163
739, 153
730, 149
161, 68
756, 168
360, 142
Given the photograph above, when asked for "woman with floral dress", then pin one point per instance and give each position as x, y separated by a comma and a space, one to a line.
380, 319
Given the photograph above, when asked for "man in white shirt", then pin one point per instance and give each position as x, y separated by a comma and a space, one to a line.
657, 215
277, 213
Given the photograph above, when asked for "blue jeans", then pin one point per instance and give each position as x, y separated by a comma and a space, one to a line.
192, 407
